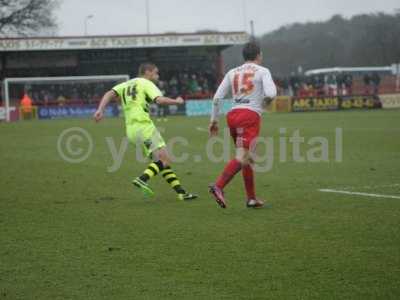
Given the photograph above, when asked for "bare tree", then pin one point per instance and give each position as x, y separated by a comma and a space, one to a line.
27, 17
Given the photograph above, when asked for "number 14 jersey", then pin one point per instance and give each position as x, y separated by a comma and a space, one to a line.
136, 95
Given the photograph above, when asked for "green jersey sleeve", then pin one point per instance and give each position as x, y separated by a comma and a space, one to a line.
119, 88
151, 90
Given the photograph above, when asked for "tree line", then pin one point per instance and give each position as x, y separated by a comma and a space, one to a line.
363, 40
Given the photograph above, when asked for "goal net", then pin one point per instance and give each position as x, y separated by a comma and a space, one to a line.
54, 97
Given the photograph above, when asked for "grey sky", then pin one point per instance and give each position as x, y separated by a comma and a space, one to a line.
129, 17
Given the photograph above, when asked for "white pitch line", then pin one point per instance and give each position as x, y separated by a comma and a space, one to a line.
358, 193
201, 129
371, 186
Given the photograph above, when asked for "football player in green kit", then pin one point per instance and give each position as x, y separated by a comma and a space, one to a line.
135, 96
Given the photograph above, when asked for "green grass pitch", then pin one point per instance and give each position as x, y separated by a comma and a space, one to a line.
77, 231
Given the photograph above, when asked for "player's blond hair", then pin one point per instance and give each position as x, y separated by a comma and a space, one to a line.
144, 67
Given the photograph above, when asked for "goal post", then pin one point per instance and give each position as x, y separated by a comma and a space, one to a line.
52, 90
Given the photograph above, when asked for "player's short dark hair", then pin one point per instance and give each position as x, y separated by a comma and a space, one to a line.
251, 50
144, 67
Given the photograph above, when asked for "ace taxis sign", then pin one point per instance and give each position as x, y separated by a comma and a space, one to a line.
335, 103
315, 104
124, 41
354, 102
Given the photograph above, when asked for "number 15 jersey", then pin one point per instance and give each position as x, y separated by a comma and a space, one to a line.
249, 84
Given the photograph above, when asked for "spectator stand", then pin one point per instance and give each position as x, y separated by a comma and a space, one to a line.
190, 64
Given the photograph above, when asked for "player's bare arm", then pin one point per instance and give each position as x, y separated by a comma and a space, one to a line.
220, 94
266, 102
169, 101
213, 126
107, 98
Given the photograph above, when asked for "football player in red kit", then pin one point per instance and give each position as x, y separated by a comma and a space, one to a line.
251, 85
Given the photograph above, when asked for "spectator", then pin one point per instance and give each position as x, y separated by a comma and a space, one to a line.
331, 85
61, 100
173, 82
348, 83
367, 83
376, 81
294, 83
193, 85
340, 80
26, 106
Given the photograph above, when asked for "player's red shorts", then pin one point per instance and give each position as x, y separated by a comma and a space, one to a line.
244, 125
